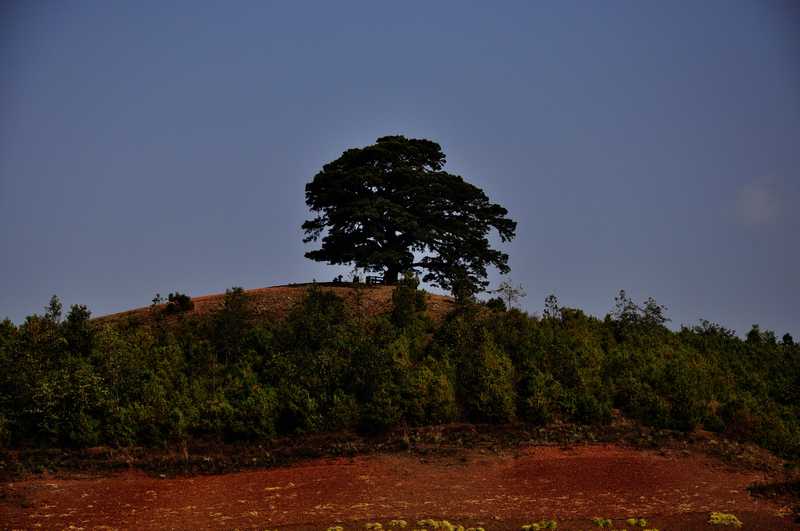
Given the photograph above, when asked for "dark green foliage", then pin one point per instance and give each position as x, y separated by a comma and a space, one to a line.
383, 408
379, 205
230, 324
178, 303
72, 382
551, 309
78, 331
539, 397
431, 398
486, 382
53, 310
633, 321
496, 304
67, 405
408, 302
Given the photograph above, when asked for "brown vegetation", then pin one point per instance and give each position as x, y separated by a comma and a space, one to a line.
275, 302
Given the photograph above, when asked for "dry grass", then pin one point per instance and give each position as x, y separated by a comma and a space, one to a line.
275, 302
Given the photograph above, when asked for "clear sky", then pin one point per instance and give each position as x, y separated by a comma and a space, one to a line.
159, 146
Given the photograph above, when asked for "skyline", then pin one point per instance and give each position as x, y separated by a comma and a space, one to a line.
156, 148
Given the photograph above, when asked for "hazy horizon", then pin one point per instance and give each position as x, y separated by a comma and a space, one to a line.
652, 147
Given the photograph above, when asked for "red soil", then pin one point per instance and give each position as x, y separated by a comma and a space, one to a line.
472, 488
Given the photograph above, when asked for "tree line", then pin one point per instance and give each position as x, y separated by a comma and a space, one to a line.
172, 376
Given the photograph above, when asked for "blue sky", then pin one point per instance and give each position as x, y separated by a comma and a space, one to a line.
649, 146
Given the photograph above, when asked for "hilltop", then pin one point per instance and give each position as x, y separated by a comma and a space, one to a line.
275, 302
643, 416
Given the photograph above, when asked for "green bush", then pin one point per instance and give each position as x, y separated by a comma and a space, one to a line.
637, 399
408, 302
383, 409
487, 383
67, 405
342, 412
298, 410
539, 396
431, 397
591, 410
496, 304
255, 413
178, 303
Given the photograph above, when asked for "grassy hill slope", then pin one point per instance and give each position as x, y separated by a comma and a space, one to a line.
275, 302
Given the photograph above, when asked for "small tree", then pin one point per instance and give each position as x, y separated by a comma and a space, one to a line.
551, 308
486, 377
78, 331
53, 310
632, 319
230, 323
510, 293
407, 301
179, 303
754, 336
496, 304
627, 312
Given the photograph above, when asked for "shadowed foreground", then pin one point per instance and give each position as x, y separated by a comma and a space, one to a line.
471, 488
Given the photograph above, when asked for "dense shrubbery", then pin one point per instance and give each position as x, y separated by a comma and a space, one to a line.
175, 376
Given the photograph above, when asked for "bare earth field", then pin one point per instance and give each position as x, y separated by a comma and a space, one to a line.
495, 490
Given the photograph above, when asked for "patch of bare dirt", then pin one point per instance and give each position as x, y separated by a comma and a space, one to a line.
276, 302
496, 490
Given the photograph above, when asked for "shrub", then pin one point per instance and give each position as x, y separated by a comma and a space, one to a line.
431, 397
230, 324
342, 411
298, 411
486, 382
255, 413
383, 409
639, 400
496, 304
178, 303
216, 414
67, 403
408, 303
590, 410
717, 518
539, 396
541, 525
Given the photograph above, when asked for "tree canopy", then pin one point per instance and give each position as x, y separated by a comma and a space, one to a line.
390, 207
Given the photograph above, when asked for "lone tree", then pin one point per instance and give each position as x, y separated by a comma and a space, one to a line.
390, 208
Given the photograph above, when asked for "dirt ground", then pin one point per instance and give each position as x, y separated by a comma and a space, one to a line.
473, 487
275, 302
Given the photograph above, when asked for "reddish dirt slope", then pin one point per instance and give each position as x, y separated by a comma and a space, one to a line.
472, 488
275, 302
